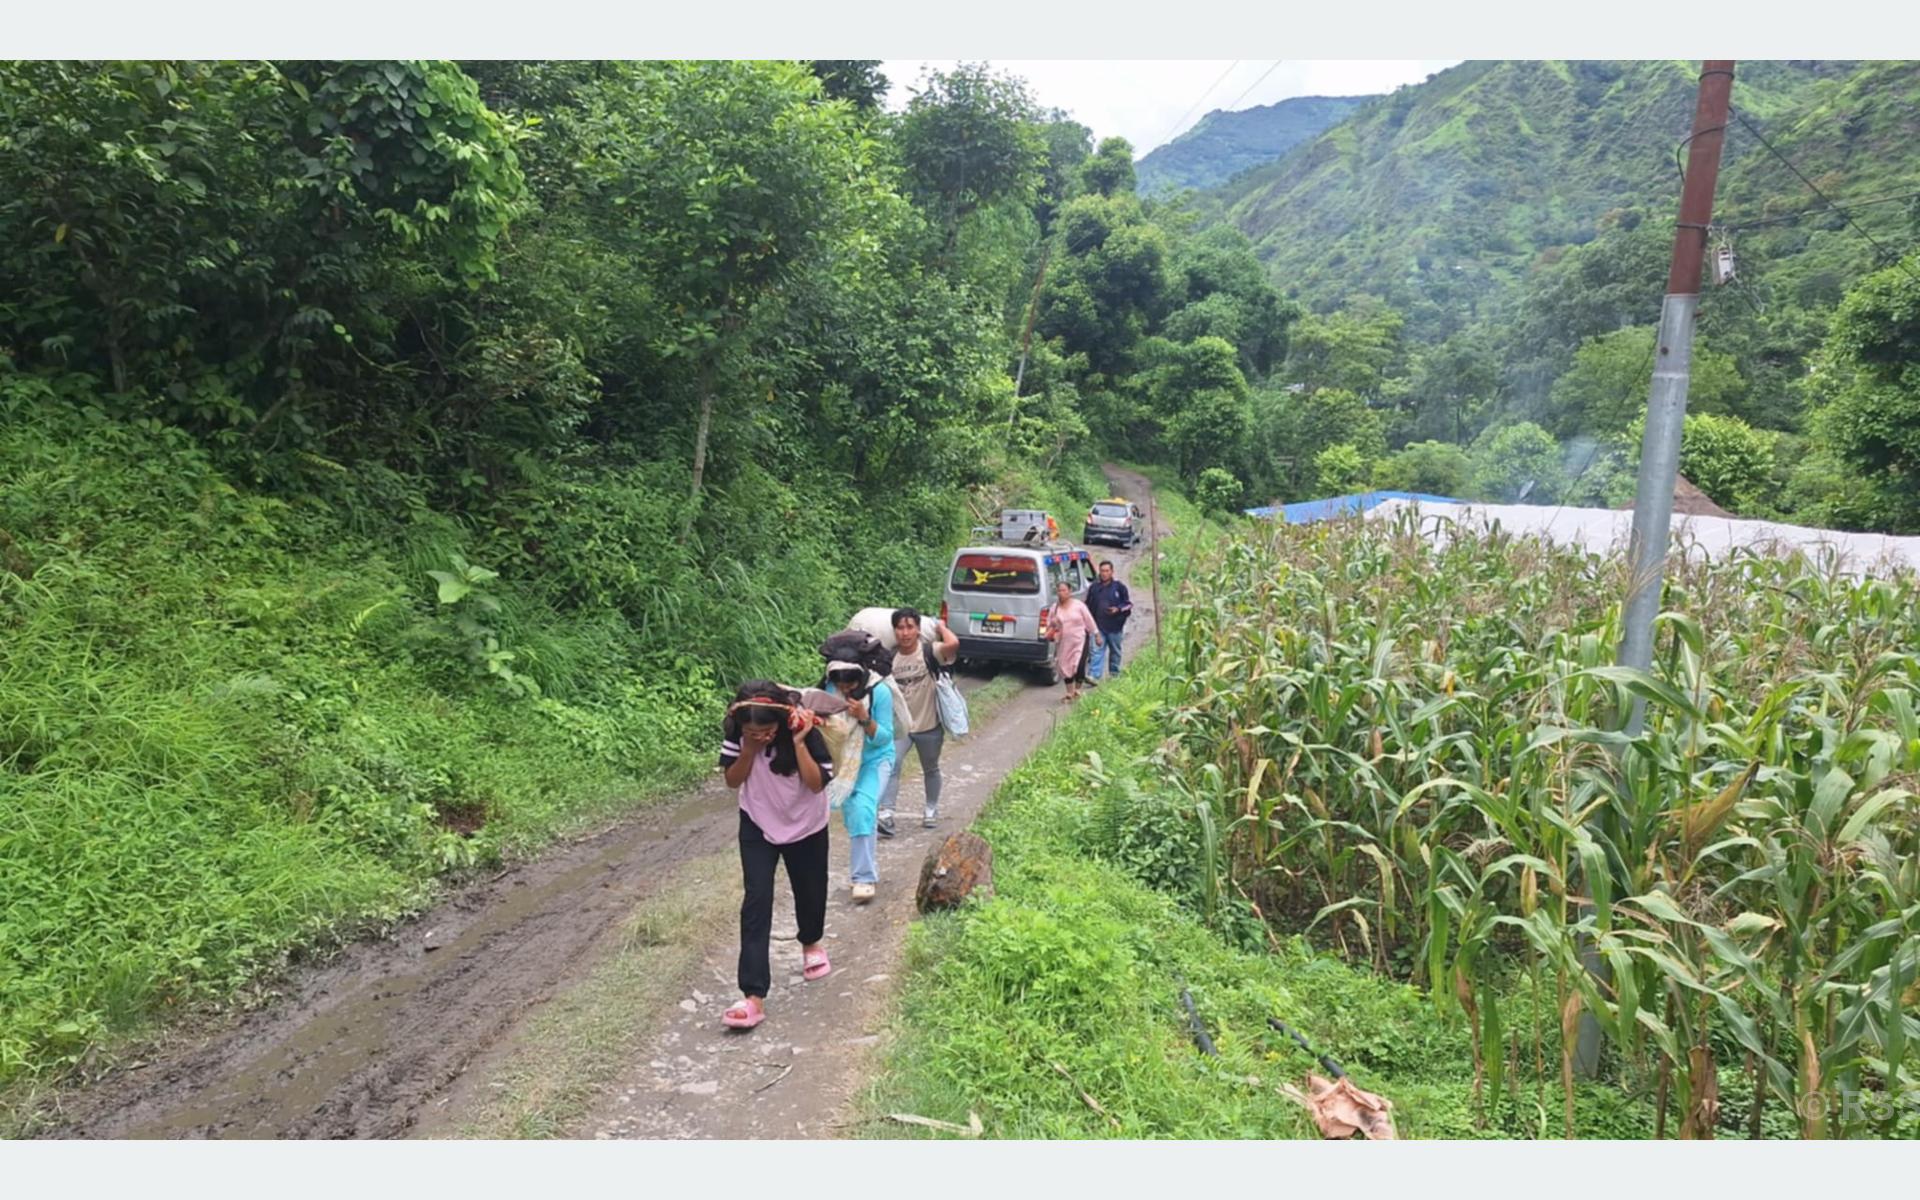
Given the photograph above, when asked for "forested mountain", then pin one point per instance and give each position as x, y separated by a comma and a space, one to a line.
1493, 243
1222, 144
1439, 196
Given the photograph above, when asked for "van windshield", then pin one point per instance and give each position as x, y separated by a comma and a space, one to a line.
1109, 510
997, 574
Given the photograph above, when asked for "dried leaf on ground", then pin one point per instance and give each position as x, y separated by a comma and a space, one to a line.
1342, 1110
971, 1129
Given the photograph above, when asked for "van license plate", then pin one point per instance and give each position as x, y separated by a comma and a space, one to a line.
995, 623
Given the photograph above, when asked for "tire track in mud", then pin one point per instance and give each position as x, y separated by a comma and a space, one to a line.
360, 1046
356, 1047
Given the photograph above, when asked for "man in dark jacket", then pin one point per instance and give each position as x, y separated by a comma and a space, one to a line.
1111, 605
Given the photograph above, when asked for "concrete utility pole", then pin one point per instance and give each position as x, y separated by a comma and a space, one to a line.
1667, 401
1666, 417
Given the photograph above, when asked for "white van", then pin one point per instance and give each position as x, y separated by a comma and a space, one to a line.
998, 597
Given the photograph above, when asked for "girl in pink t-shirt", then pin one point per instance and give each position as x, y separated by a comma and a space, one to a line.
778, 762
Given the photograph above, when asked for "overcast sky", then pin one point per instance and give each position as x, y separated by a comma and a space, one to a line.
1149, 101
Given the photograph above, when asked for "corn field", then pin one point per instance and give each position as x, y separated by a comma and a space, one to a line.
1415, 754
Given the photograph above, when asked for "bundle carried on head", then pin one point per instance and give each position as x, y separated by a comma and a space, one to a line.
879, 622
859, 646
801, 708
862, 650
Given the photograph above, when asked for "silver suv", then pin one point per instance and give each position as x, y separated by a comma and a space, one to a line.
1115, 521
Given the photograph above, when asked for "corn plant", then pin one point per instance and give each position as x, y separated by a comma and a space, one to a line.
1412, 748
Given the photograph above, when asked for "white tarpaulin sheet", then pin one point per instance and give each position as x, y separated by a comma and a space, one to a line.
1604, 530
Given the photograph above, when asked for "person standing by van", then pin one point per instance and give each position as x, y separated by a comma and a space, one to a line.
1112, 604
1073, 626
872, 707
917, 677
781, 775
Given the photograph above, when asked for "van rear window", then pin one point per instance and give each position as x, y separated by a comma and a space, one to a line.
997, 574
1110, 510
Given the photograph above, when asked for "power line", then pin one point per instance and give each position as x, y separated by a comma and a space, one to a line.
1256, 83
1785, 218
1200, 100
1740, 289
1680, 165
1089, 239
1083, 243
1195, 107
1885, 253
1635, 386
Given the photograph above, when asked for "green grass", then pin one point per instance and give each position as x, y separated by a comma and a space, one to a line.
1078, 960
229, 727
992, 695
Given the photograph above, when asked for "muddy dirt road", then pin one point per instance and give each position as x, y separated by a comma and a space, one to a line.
363, 1046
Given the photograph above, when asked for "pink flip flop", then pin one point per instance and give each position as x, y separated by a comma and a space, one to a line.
743, 1014
815, 964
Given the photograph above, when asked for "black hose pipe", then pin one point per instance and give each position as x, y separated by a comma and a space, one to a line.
1333, 1068
1197, 1027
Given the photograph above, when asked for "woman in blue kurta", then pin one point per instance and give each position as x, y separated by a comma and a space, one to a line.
870, 701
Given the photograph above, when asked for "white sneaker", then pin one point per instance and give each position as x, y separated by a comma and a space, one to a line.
862, 892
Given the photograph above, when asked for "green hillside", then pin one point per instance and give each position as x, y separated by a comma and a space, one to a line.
1223, 144
1439, 197
1480, 260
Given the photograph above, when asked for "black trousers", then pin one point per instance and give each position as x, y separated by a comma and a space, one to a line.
806, 872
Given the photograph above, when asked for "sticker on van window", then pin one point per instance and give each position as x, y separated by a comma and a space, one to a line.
999, 574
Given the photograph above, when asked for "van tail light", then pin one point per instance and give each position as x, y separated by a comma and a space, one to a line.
1046, 618
943, 612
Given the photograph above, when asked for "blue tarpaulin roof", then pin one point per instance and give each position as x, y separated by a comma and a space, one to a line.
1304, 511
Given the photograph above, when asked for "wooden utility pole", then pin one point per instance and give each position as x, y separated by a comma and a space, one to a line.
1026, 338
1153, 565
1666, 420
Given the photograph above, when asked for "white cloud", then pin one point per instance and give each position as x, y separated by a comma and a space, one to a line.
1148, 101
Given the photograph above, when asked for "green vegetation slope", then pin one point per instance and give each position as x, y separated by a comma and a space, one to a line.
1442, 193
1481, 258
1223, 144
